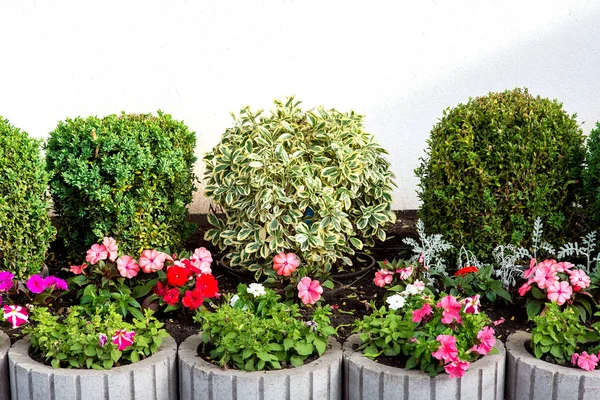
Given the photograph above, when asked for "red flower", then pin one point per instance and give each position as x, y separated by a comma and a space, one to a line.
171, 297
160, 289
193, 299
466, 270
191, 267
177, 276
207, 285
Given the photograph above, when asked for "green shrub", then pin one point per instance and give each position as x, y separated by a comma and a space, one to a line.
495, 164
127, 176
312, 182
25, 227
592, 176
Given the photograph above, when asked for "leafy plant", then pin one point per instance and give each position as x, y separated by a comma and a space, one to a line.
257, 331
592, 176
496, 163
479, 281
311, 182
25, 227
428, 250
127, 176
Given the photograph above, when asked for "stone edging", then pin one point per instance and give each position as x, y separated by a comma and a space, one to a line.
318, 380
4, 381
367, 379
530, 378
152, 378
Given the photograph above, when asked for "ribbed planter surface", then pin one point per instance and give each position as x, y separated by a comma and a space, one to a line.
530, 378
365, 379
4, 381
152, 378
318, 380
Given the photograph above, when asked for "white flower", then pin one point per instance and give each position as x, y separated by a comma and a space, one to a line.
411, 290
420, 285
234, 300
396, 302
256, 289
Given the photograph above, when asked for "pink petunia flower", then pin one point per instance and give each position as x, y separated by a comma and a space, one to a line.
579, 279
545, 275
560, 292
16, 315
405, 273
574, 358
202, 259
285, 263
96, 253
36, 284
421, 313
383, 277
472, 304
152, 261
111, 247
451, 309
127, 267
78, 269
309, 290
55, 283
487, 340
586, 361
6, 281
457, 369
447, 350
123, 339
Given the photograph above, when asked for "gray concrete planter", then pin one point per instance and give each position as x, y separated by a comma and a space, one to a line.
318, 380
366, 379
4, 381
530, 378
152, 378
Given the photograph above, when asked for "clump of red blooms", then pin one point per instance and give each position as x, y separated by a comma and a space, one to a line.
466, 271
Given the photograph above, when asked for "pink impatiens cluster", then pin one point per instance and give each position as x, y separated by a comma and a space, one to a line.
309, 290
547, 276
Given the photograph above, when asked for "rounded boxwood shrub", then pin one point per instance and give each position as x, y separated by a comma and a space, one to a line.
25, 227
592, 176
495, 164
127, 176
310, 182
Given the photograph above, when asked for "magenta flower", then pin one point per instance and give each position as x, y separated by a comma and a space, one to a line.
579, 279
36, 284
152, 261
472, 304
447, 350
421, 313
96, 253
127, 267
202, 259
383, 277
560, 292
451, 309
16, 315
61, 284
309, 290
102, 339
6, 281
587, 361
285, 263
123, 339
111, 247
545, 275
55, 283
457, 369
487, 340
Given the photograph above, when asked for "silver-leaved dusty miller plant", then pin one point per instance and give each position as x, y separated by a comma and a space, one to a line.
586, 249
430, 247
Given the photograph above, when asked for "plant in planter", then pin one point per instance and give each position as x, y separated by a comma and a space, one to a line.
313, 182
25, 227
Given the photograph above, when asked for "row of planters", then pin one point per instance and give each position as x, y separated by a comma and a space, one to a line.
296, 195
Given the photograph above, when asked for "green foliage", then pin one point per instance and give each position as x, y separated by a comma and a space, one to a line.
73, 341
310, 182
479, 282
592, 176
496, 163
260, 333
25, 228
557, 334
127, 176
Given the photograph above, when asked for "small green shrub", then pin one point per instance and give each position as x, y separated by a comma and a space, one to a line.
127, 176
592, 176
310, 182
25, 227
495, 164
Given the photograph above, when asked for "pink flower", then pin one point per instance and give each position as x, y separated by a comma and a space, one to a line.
202, 259
405, 273
563, 267
447, 350
579, 279
457, 369
421, 313
451, 309
487, 340
383, 277
127, 267
545, 275
152, 261
587, 361
36, 284
524, 289
420, 285
560, 292
102, 339
6, 283
472, 304
309, 291
499, 321
574, 358
285, 263
111, 247
123, 339
16, 315
96, 253
531, 270
55, 283
78, 269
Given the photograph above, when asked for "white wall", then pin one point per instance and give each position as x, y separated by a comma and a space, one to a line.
398, 62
